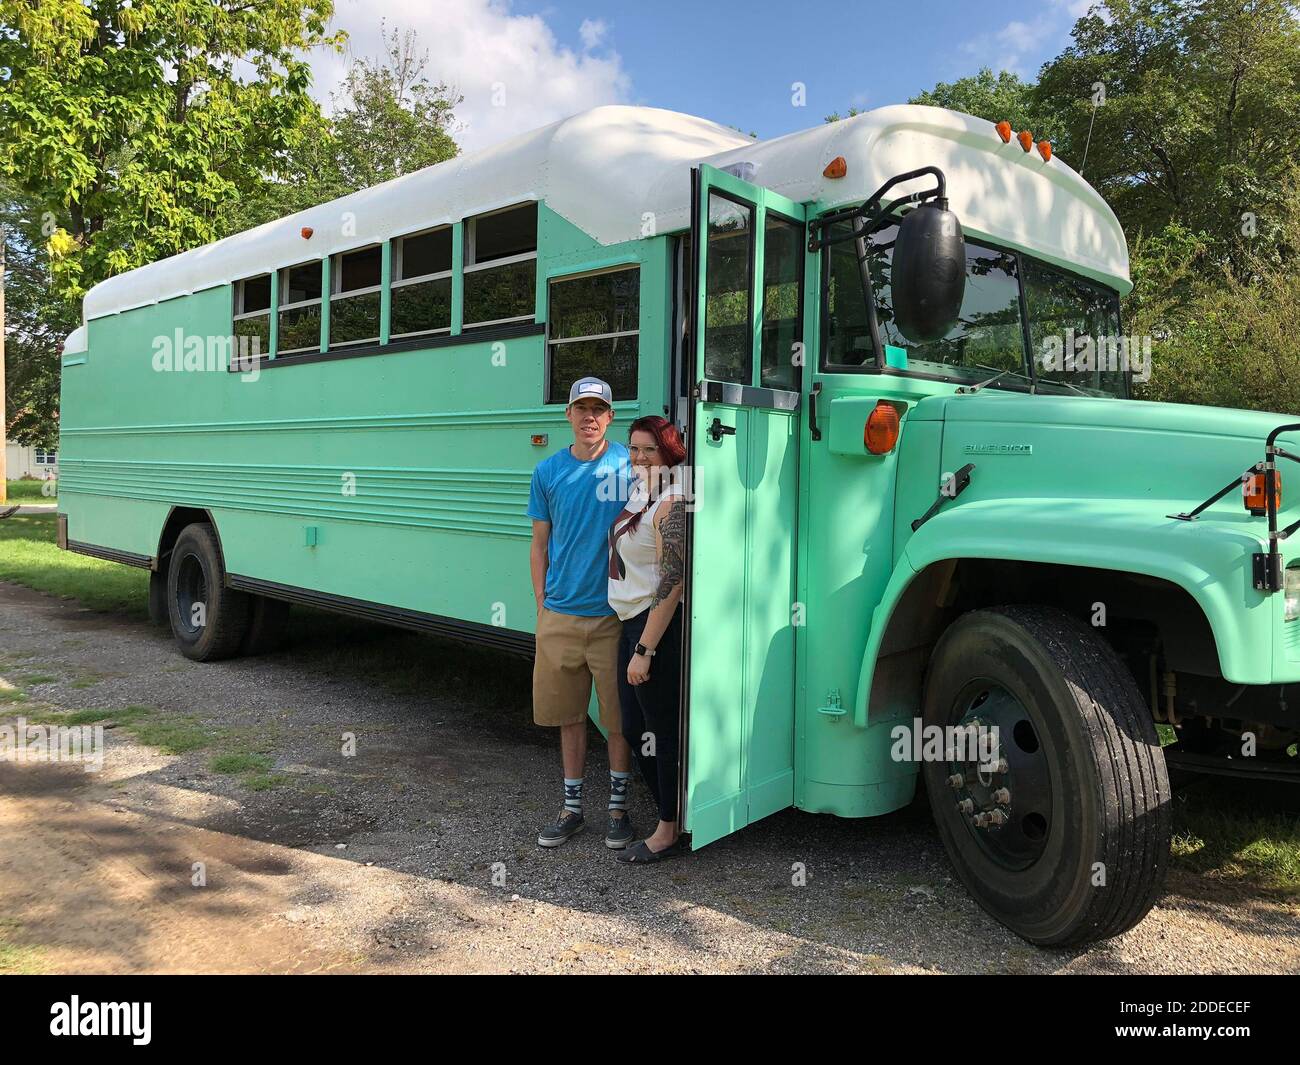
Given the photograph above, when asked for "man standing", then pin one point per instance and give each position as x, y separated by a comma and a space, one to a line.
576, 495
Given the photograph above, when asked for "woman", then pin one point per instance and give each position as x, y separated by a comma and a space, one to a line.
647, 545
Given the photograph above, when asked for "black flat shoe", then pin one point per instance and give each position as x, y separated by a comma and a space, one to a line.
640, 854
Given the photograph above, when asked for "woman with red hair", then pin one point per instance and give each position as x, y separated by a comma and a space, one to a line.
647, 573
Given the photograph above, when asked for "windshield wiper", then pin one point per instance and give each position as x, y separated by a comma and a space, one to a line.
970, 390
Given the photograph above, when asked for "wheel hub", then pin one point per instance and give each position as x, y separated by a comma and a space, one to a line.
999, 775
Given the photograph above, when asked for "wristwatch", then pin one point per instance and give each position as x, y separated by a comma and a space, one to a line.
642, 649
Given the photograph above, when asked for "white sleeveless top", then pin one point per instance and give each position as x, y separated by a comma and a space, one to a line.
633, 565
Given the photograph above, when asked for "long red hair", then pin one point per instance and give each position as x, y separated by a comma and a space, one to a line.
672, 452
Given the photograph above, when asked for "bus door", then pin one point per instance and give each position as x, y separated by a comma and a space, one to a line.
748, 246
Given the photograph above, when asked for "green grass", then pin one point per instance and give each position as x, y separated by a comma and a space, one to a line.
16, 960
27, 492
28, 555
1240, 831
264, 781
240, 762
170, 734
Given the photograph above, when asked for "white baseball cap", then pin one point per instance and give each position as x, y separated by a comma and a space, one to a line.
592, 387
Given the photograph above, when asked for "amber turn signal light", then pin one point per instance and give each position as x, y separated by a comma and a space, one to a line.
836, 168
1252, 491
1004, 131
1026, 139
880, 434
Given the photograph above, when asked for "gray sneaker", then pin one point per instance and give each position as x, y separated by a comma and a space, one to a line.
619, 833
558, 831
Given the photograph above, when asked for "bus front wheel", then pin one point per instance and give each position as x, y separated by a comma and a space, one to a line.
1051, 794
208, 619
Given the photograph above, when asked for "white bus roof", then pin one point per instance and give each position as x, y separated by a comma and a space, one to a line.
612, 169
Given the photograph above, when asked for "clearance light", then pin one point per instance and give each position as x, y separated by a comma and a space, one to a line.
1045, 150
1004, 131
836, 168
880, 434
1252, 491
1026, 139
307, 231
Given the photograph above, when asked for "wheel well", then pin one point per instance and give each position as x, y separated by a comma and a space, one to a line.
1144, 618
177, 519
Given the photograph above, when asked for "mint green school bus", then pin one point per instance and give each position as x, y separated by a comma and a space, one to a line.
923, 508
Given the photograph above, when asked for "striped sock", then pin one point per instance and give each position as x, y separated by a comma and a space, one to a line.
618, 790
573, 796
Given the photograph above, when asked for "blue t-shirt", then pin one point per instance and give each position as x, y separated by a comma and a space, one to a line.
581, 501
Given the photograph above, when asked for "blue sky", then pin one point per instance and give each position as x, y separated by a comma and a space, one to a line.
522, 63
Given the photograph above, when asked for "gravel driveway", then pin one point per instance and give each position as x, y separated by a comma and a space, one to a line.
418, 853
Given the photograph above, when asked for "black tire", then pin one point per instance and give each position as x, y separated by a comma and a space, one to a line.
266, 625
1082, 751
197, 576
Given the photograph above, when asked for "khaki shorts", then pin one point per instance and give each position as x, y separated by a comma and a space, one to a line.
571, 653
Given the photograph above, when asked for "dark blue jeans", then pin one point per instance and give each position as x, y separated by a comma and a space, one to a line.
652, 711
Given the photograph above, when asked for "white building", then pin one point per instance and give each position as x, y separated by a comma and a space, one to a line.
38, 462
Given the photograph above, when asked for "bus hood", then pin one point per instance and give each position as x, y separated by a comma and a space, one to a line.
1173, 455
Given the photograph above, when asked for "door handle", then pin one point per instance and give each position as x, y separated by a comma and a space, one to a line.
814, 429
717, 430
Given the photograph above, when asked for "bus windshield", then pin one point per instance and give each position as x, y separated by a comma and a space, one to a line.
1073, 329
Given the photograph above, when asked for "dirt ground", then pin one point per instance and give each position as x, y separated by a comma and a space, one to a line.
418, 854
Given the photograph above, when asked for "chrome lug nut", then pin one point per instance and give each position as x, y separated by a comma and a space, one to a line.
966, 806
997, 817
1002, 796
956, 781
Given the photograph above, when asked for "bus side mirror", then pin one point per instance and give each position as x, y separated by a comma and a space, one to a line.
927, 278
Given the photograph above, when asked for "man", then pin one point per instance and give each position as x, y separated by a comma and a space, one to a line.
576, 495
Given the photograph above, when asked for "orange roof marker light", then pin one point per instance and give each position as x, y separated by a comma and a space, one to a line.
1004, 131
1045, 150
836, 168
1026, 139
307, 231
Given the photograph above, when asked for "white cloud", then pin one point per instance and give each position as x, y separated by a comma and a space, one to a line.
593, 32
512, 72
1018, 43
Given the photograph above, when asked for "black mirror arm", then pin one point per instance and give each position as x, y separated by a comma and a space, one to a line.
865, 218
871, 212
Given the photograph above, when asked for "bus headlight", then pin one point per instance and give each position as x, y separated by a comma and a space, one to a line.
1292, 592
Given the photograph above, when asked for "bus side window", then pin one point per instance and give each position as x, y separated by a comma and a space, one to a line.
421, 283
593, 328
252, 317
501, 267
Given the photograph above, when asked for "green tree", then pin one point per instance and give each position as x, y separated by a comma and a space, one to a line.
36, 322
388, 120
996, 97
1200, 123
137, 123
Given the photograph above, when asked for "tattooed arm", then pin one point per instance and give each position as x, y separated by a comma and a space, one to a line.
670, 523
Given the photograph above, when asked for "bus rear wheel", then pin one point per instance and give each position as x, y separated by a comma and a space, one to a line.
208, 619
1062, 831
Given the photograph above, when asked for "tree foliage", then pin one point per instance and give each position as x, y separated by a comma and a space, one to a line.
136, 123
387, 120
